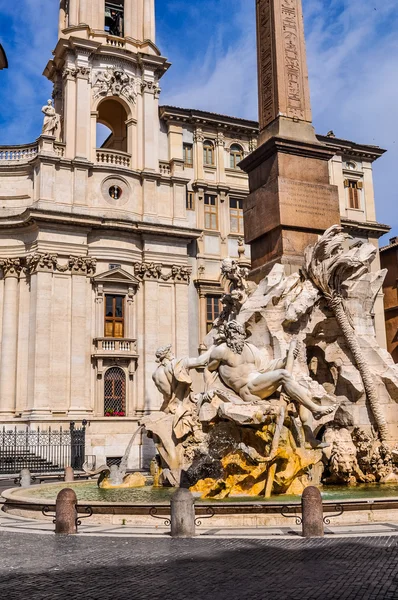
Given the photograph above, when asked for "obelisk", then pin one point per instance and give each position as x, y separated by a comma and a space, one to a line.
291, 201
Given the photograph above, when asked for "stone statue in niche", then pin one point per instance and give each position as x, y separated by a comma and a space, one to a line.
287, 365
51, 119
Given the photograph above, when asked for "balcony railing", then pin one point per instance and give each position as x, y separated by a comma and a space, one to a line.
164, 168
18, 153
115, 347
113, 158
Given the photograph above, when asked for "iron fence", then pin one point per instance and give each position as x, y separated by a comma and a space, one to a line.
42, 451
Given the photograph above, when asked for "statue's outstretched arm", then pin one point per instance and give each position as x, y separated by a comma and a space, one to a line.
200, 361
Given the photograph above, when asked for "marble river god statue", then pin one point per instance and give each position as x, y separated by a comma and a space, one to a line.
294, 388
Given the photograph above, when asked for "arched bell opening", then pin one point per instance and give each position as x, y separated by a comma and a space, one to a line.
112, 115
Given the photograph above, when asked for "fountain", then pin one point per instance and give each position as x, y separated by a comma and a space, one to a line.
292, 390
294, 384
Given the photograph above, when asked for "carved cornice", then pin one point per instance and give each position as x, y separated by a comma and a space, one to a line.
11, 267
156, 272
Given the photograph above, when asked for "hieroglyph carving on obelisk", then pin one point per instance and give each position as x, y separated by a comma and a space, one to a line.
282, 63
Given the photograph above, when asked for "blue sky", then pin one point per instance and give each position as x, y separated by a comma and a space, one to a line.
352, 54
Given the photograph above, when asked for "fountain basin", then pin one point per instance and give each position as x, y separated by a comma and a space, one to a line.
149, 507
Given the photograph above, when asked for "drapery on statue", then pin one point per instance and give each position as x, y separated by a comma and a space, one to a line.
51, 119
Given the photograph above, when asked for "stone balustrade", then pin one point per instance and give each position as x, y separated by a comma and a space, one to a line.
113, 158
18, 153
115, 347
164, 168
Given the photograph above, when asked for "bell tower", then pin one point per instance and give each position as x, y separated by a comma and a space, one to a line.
106, 69
134, 19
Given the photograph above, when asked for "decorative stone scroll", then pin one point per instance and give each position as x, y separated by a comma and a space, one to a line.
115, 82
156, 271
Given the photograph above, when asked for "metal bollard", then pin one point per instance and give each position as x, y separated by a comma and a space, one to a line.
312, 513
25, 478
182, 514
66, 513
69, 475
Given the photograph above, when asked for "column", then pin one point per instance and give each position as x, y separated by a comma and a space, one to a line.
198, 139
73, 12
8, 367
81, 340
83, 8
149, 20
69, 83
39, 374
83, 113
220, 161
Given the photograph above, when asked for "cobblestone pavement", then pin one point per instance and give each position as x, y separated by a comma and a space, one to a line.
37, 567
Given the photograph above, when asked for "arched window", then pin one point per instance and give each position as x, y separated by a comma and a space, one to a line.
236, 155
115, 392
208, 153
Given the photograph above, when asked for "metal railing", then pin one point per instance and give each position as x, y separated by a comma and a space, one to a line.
41, 451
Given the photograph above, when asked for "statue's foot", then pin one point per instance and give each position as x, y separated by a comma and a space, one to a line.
323, 411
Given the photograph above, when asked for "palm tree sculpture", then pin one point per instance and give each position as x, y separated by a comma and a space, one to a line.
331, 269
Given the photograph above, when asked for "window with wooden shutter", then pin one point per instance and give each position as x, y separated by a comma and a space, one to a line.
353, 188
190, 203
188, 155
114, 316
211, 212
208, 153
236, 215
236, 155
214, 308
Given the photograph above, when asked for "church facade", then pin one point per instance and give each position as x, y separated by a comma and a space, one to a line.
110, 250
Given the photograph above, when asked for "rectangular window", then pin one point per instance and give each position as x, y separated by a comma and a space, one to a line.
353, 187
114, 316
188, 155
236, 215
211, 212
190, 201
213, 310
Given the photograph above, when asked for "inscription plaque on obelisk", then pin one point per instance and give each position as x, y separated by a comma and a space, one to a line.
291, 200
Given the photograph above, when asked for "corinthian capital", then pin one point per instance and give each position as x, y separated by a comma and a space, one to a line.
11, 267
